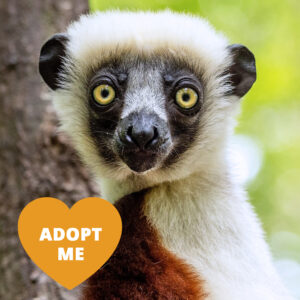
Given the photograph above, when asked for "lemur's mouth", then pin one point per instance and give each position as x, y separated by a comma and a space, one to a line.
140, 161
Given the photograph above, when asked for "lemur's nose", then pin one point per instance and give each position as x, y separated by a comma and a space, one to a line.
141, 131
143, 137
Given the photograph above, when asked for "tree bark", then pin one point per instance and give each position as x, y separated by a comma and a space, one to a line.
35, 161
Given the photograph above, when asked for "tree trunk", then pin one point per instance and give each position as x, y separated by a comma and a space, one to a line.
34, 160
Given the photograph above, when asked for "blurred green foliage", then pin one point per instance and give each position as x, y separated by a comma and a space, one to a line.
271, 110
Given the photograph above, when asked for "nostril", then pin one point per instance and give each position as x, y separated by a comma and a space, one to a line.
154, 138
128, 135
129, 131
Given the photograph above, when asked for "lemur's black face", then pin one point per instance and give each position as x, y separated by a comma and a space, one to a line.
144, 112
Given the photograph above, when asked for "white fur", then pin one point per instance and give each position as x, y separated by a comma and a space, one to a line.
145, 31
206, 220
201, 214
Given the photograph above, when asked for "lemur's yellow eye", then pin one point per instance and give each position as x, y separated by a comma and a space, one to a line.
104, 94
186, 98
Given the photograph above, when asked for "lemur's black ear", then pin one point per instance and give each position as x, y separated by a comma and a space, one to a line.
51, 58
242, 71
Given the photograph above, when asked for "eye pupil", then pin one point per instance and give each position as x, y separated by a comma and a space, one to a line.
105, 93
186, 97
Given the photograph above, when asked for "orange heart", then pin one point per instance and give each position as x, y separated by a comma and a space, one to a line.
69, 244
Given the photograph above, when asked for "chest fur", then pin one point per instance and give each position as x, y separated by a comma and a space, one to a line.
141, 268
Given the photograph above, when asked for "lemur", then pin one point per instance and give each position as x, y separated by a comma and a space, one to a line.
149, 101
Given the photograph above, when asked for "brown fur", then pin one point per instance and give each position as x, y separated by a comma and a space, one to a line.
141, 268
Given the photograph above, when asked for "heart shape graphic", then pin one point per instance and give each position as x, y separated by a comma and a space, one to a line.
69, 245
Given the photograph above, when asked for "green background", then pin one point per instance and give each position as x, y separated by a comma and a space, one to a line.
270, 111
